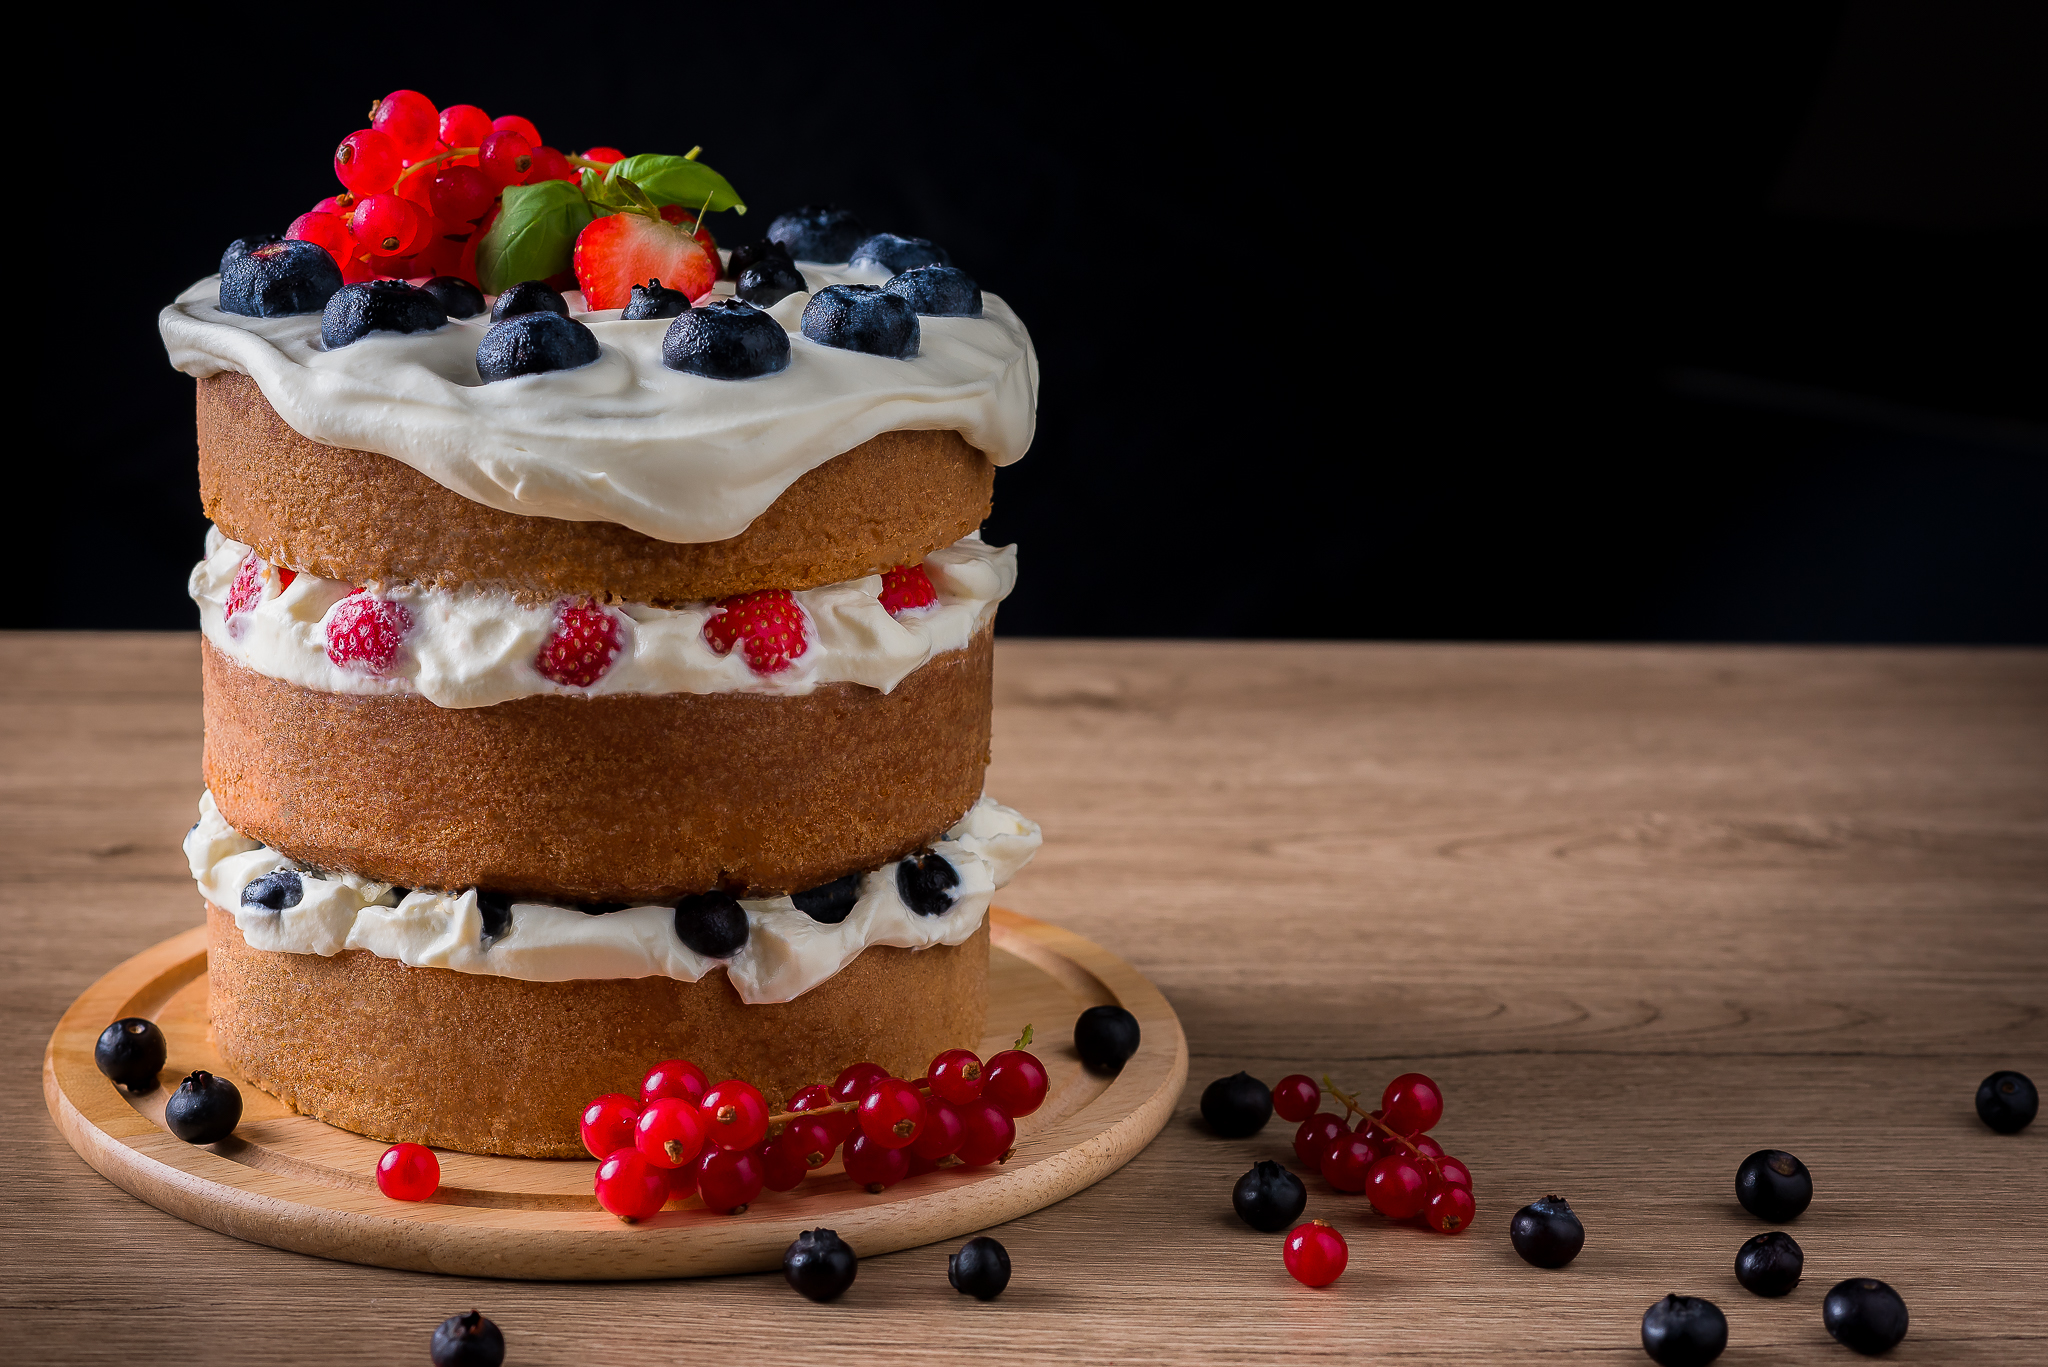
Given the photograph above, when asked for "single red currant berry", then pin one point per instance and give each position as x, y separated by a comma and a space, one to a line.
607, 155
781, 1170
459, 195
1315, 1136
906, 588
389, 225
1347, 1161
816, 1097
810, 1140
1315, 1254
1454, 1172
682, 1182
408, 1172
1427, 1147
730, 1179
853, 1083
608, 1124
943, 1130
506, 158
1015, 1081
1449, 1209
955, 1076
1395, 1187
676, 1077
630, 1187
366, 631
670, 1132
512, 123
341, 205
548, 164
735, 1115
582, 645
875, 1166
328, 231
1413, 1103
410, 120
367, 162
464, 125
987, 1134
892, 1113
1296, 1097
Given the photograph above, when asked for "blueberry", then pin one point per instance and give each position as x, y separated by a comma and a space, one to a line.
1864, 1315
274, 891
467, 1341
532, 343
754, 253
1105, 1037
828, 903
1773, 1185
204, 1110
1546, 1233
1770, 1264
727, 339
356, 311
770, 282
496, 910
925, 882
713, 924
528, 296
242, 246
655, 300
1269, 1198
601, 908
278, 280
2007, 1102
938, 291
817, 232
131, 1052
459, 299
862, 318
1684, 1331
980, 1269
1237, 1105
819, 1265
899, 254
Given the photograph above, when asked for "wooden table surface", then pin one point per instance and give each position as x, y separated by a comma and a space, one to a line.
1641, 911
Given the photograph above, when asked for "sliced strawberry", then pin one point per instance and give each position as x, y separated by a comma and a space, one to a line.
619, 251
681, 217
907, 587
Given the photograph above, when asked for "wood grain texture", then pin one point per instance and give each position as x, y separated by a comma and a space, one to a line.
1640, 910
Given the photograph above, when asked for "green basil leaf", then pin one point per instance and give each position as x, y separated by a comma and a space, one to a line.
534, 236
677, 180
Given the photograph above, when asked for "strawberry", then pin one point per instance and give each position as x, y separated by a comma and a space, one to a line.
682, 218
619, 251
247, 590
907, 587
582, 646
367, 631
768, 625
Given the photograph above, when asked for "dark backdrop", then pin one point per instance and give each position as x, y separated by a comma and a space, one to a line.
1719, 325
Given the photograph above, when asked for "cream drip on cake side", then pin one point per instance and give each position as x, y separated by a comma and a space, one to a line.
674, 456
786, 954
472, 647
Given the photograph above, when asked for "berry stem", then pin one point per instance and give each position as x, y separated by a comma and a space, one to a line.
1351, 1104
434, 160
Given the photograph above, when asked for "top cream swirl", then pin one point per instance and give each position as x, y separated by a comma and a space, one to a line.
625, 439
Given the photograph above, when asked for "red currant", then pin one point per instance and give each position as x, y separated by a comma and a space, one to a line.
987, 1134
512, 123
816, 1097
735, 1115
630, 1187
1449, 1209
608, 1124
460, 194
1427, 1147
1296, 1097
410, 120
943, 1130
388, 225
956, 1076
853, 1083
875, 1166
464, 125
809, 1140
682, 1182
341, 205
1015, 1081
1395, 1187
367, 162
1315, 1136
548, 164
892, 1113
326, 230
677, 1077
506, 158
781, 1170
1455, 1172
1413, 1103
670, 1132
607, 155
1315, 1254
408, 1172
730, 1179
1347, 1161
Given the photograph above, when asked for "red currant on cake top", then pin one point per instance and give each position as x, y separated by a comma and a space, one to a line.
506, 158
366, 631
512, 123
730, 1179
1315, 1254
768, 625
464, 125
408, 1172
735, 1115
328, 231
389, 225
607, 1124
670, 1131
630, 1187
892, 1113
582, 645
410, 120
607, 155
367, 162
955, 1076
1016, 1082
1412, 1103
675, 1077
907, 587
459, 194
1296, 1097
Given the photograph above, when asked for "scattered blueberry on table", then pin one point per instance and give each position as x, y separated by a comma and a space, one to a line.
1269, 1198
980, 1269
2007, 1101
1684, 1331
820, 1265
1864, 1315
1770, 1264
1546, 1232
1773, 1185
467, 1341
1237, 1105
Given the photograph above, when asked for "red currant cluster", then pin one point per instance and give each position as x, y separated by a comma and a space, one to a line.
683, 1135
1387, 1154
420, 186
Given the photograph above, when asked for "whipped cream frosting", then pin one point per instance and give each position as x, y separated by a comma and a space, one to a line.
786, 953
473, 646
624, 439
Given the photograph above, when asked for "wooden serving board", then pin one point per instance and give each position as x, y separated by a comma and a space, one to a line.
296, 1183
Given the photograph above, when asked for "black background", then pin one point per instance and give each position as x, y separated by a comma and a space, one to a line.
1720, 324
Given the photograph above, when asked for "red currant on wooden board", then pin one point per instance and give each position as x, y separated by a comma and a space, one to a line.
408, 1172
630, 1187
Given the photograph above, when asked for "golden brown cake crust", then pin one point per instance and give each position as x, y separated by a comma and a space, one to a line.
615, 798
496, 1065
364, 518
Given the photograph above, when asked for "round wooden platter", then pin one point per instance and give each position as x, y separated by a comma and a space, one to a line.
293, 1182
